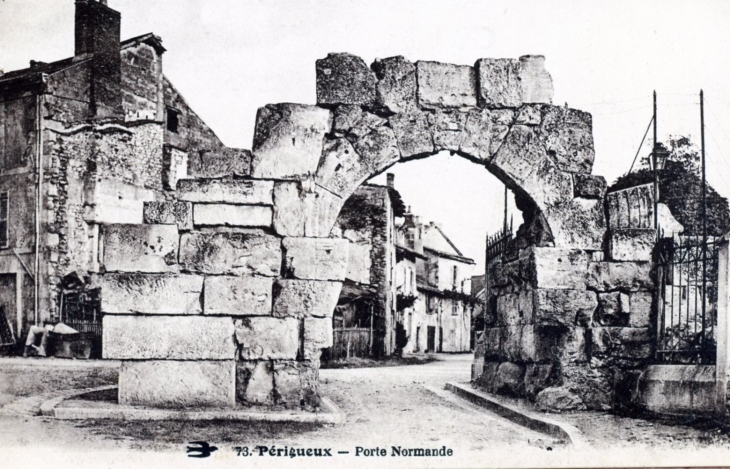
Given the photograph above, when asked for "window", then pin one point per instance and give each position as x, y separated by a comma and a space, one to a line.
456, 276
454, 308
173, 119
3, 219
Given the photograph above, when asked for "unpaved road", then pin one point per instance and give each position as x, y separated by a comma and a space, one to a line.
385, 407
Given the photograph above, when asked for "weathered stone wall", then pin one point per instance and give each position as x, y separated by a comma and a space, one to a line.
212, 286
94, 174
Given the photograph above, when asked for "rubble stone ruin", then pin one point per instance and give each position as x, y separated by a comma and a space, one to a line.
234, 300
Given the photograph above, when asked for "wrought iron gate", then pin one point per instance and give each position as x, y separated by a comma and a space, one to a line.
686, 300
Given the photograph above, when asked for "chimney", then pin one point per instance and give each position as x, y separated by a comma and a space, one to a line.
98, 33
390, 177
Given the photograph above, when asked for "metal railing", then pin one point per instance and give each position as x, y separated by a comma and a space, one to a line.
687, 285
497, 243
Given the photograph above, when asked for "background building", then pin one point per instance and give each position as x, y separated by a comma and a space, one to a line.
86, 141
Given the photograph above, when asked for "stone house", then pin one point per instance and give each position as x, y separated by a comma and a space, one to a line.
86, 141
441, 317
365, 318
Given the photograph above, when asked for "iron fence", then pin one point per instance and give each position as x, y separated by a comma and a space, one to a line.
497, 243
687, 300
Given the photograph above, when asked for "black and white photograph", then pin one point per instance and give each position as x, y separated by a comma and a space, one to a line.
364, 233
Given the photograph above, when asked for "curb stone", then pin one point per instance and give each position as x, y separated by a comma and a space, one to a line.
562, 431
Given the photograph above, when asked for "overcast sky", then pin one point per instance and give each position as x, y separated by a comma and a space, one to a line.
230, 57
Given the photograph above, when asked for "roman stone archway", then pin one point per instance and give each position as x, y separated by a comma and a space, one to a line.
253, 258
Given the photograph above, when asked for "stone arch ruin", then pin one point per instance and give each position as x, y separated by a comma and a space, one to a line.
245, 275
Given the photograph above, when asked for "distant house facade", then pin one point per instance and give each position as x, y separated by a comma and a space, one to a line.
440, 319
365, 318
86, 141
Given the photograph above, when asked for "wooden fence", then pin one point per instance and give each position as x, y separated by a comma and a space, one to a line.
351, 342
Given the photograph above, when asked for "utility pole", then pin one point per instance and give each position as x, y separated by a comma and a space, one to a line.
704, 220
656, 173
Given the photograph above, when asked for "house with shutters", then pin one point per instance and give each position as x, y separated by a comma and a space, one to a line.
84, 141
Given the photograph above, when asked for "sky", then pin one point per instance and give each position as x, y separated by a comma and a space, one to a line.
230, 57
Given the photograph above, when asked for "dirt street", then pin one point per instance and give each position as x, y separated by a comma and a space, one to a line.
385, 407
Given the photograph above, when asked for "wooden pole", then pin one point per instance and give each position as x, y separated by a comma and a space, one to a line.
656, 173
704, 221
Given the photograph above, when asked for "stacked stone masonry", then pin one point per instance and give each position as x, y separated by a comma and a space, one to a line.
245, 243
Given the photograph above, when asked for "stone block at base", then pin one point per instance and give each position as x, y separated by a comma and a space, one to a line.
178, 384
678, 389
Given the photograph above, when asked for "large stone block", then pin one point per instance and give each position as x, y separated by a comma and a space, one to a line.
168, 338
413, 134
516, 308
485, 131
578, 223
354, 122
568, 137
341, 169
378, 149
564, 307
315, 258
219, 162
255, 383
139, 248
318, 334
238, 296
345, 79
305, 211
232, 215
632, 244
510, 82
523, 158
178, 384
268, 338
288, 140
228, 191
305, 298
446, 85
556, 268
231, 253
500, 83
448, 129
134, 293
625, 276
169, 213
396, 88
